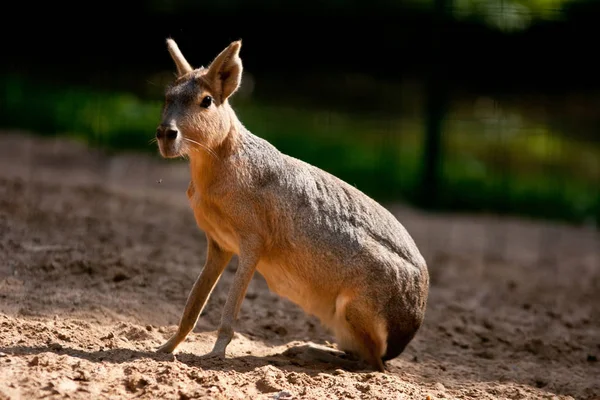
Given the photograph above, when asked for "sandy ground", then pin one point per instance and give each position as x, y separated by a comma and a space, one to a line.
98, 253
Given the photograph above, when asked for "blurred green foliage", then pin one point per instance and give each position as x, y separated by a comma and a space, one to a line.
489, 165
506, 15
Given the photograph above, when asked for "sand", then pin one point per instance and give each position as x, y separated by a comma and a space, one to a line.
98, 253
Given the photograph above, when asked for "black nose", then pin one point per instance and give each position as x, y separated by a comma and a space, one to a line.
166, 132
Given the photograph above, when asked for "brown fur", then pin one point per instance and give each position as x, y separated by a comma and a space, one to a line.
317, 240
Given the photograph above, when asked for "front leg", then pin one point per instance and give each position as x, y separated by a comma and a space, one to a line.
216, 261
248, 260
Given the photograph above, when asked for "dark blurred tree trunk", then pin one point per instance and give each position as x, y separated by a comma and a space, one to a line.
436, 110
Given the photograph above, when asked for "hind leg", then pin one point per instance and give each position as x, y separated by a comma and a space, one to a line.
316, 353
360, 329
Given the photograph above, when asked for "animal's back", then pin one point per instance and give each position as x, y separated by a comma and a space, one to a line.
319, 207
326, 236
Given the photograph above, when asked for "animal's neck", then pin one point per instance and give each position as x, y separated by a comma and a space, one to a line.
205, 166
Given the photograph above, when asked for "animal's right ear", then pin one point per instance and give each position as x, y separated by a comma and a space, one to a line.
183, 67
225, 71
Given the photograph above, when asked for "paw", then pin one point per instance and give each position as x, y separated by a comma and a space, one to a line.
213, 355
166, 348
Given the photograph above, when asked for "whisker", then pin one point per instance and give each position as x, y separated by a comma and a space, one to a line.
185, 153
208, 150
152, 141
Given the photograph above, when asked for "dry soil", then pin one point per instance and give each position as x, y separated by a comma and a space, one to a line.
98, 253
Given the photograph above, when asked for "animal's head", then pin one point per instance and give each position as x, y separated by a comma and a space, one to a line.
196, 115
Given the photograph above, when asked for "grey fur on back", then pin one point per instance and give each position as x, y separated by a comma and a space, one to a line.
330, 215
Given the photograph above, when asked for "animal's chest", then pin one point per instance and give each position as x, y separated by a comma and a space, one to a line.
214, 223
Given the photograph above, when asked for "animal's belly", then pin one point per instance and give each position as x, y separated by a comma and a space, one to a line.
304, 290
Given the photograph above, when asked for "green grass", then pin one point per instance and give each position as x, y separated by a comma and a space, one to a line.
488, 166
112, 120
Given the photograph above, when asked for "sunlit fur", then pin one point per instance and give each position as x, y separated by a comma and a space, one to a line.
317, 240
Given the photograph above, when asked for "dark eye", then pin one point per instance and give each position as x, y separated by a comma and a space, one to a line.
206, 102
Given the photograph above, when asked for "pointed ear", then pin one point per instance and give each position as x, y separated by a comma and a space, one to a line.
225, 72
183, 67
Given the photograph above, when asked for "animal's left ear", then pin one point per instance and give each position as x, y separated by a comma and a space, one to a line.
225, 72
183, 67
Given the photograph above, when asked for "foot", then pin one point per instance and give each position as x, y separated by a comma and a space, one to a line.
169, 346
213, 355
316, 353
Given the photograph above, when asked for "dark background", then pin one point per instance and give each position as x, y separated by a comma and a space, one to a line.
496, 111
